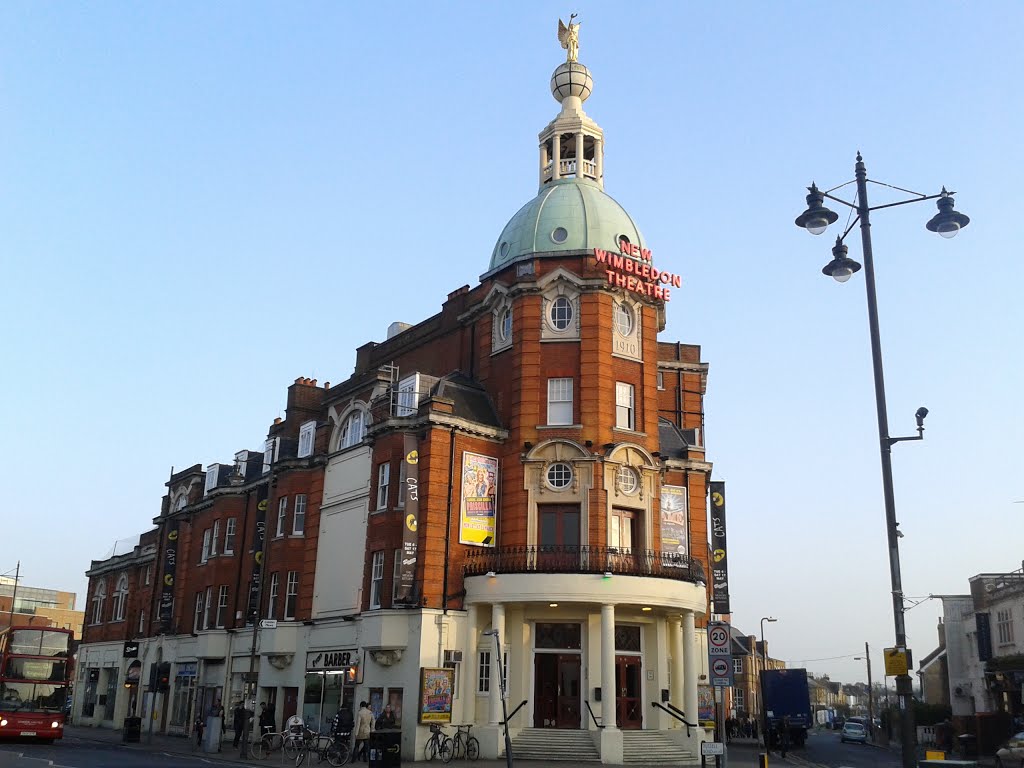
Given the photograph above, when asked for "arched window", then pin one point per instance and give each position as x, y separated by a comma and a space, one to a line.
120, 599
353, 429
98, 598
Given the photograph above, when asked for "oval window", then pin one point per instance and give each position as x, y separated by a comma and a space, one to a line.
560, 313
623, 319
559, 475
505, 325
560, 235
627, 479
503, 250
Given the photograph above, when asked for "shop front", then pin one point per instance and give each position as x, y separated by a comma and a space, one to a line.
329, 685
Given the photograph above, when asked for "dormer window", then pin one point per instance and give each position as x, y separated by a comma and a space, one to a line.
353, 429
212, 473
270, 449
307, 434
407, 396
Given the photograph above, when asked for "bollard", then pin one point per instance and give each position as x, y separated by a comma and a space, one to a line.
762, 760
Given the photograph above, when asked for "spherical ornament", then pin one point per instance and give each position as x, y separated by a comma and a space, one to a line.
571, 79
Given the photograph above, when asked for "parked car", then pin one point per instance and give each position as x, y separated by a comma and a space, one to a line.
1011, 754
854, 732
837, 724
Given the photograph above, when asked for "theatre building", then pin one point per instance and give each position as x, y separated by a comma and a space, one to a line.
523, 472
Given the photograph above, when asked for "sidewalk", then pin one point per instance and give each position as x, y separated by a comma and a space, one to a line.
741, 753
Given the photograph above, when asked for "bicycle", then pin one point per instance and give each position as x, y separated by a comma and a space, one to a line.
330, 747
290, 742
462, 744
438, 745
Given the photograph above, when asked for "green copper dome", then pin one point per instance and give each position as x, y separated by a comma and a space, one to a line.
569, 214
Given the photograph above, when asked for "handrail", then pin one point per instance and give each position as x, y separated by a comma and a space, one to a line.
679, 712
677, 717
596, 724
513, 713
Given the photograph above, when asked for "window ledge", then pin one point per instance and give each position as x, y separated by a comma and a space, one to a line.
629, 431
229, 553
559, 426
294, 535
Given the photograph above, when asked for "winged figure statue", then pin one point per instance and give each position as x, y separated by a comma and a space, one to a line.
569, 37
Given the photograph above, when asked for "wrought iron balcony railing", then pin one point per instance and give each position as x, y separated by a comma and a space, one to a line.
601, 560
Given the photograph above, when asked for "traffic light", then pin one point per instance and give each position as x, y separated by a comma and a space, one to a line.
163, 677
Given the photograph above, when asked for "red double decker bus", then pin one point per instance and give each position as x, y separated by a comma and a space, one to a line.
35, 670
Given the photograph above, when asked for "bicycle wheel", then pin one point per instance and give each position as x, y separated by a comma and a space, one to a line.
447, 749
338, 753
472, 748
300, 758
259, 748
293, 747
430, 749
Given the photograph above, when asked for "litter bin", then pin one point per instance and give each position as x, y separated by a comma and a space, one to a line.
386, 749
968, 745
132, 732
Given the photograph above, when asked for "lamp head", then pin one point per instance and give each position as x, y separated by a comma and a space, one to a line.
947, 222
842, 267
920, 415
817, 217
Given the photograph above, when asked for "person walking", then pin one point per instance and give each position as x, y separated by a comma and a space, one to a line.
364, 725
238, 720
784, 736
266, 720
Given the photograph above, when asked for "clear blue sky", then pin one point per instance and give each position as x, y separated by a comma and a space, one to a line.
201, 202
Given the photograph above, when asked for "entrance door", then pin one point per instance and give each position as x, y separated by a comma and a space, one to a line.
628, 703
558, 537
291, 703
557, 690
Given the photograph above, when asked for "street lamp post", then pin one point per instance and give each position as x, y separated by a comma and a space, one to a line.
871, 696
501, 691
760, 685
947, 223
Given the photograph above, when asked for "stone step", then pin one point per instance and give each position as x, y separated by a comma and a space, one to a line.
555, 745
653, 748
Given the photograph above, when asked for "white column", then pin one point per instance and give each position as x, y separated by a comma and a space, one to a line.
467, 683
543, 160
556, 156
675, 647
692, 664
579, 155
608, 666
498, 623
599, 160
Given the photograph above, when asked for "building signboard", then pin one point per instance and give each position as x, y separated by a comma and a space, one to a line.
632, 268
674, 540
436, 686
479, 492
719, 553
332, 660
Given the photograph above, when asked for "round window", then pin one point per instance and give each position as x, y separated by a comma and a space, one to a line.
559, 475
560, 235
623, 319
627, 480
503, 250
505, 324
560, 313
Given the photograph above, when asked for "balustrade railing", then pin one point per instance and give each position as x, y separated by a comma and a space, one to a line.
583, 559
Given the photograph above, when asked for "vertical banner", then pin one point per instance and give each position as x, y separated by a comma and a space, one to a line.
983, 625
406, 592
170, 558
719, 558
259, 540
674, 540
479, 490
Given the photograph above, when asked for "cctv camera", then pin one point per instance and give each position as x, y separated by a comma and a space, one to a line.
921, 413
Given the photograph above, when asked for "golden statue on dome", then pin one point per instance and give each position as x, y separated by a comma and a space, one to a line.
569, 37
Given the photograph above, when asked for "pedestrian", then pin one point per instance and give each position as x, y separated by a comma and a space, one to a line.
238, 718
266, 719
386, 720
784, 736
364, 725
218, 713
